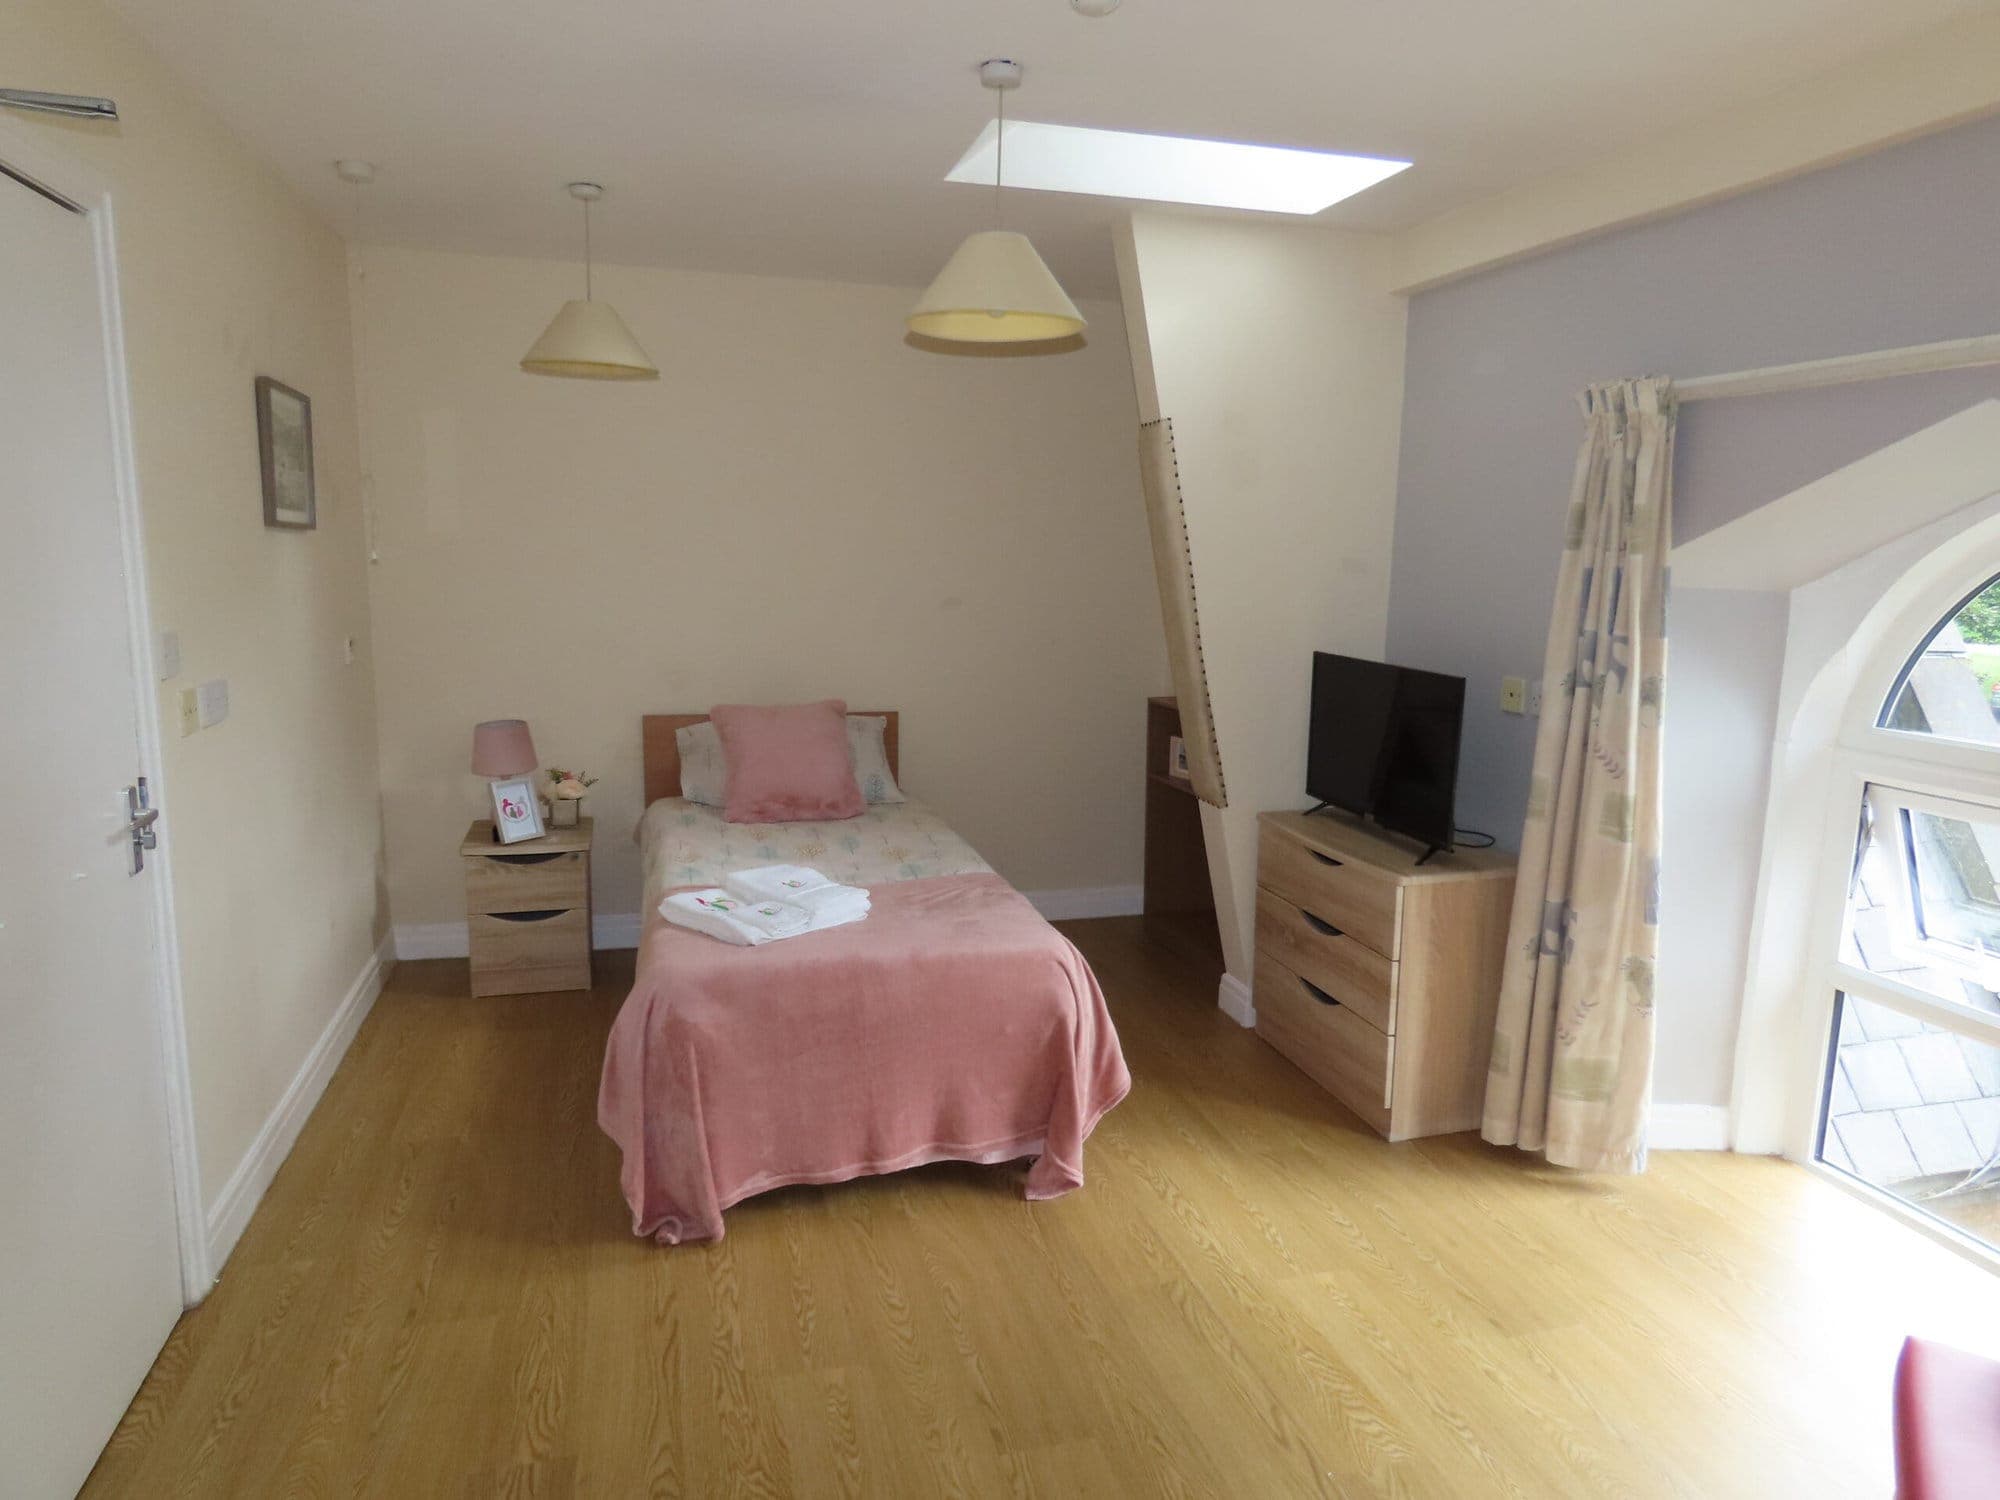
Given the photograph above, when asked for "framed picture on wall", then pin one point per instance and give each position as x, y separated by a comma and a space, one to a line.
517, 813
285, 451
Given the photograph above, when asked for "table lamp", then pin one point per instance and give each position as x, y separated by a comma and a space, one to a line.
502, 748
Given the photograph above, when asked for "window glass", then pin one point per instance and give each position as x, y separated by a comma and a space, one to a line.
1953, 860
1921, 907
1948, 689
1914, 1110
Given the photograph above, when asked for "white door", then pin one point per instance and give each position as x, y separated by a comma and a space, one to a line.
89, 1256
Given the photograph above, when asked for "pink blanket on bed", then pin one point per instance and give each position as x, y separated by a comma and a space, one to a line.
953, 1024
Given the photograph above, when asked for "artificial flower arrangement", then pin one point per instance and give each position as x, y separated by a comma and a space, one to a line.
566, 789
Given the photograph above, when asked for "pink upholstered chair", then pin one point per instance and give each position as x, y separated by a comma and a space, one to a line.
1947, 1423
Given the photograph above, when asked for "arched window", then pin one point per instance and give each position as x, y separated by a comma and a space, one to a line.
1949, 687
1911, 1105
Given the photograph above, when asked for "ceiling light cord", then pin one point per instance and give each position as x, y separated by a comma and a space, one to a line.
999, 157
586, 250
995, 289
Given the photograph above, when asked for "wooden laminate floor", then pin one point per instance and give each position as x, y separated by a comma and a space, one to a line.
1252, 1296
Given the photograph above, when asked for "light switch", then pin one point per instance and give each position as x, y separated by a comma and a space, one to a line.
213, 696
169, 661
1513, 695
190, 712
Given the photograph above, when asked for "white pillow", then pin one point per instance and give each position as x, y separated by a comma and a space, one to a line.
704, 773
871, 759
703, 776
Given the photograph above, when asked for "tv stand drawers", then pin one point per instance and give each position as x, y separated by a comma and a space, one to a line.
1329, 1041
1376, 976
1325, 955
1345, 893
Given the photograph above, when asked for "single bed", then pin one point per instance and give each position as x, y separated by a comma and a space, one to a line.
954, 1024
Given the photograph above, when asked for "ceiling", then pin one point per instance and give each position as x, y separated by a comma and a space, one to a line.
812, 139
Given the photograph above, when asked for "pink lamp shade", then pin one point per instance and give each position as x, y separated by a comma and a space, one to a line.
502, 747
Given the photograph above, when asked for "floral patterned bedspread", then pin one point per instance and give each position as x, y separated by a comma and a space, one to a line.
685, 843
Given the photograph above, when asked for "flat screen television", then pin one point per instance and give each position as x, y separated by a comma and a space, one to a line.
1383, 743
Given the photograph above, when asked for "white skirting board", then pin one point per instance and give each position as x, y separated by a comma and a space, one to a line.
1089, 901
1688, 1127
621, 929
1232, 996
230, 1213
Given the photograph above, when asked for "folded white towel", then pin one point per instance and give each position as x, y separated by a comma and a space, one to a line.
729, 917
733, 919
799, 885
843, 909
776, 882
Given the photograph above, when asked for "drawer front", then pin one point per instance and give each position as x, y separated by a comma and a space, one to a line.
527, 952
1350, 1059
1313, 948
1361, 903
525, 882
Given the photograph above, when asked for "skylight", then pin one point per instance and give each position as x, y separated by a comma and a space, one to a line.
1170, 169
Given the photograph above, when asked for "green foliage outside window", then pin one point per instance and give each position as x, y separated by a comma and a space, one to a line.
1979, 621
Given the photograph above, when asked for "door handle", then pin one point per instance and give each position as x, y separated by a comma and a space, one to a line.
142, 815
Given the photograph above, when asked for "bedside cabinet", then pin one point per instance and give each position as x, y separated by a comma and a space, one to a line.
1376, 976
527, 910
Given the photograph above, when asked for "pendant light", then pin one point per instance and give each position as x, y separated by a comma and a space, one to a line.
995, 289
587, 340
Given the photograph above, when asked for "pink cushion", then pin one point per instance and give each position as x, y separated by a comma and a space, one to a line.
1947, 1424
787, 765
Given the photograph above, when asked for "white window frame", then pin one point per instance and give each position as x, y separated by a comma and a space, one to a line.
1897, 768
1889, 805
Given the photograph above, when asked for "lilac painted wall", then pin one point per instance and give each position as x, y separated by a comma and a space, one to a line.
1901, 247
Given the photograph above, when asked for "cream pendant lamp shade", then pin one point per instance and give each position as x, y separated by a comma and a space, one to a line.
587, 340
996, 289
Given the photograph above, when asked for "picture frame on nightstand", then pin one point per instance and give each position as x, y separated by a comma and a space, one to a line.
517, 811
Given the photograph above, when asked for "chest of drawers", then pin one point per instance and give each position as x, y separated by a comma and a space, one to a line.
527, 910
1378, 976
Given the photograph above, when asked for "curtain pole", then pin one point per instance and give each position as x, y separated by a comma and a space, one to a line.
1847, 369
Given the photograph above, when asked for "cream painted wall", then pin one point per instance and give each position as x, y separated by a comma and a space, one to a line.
1278, 353
802, 506
272, 816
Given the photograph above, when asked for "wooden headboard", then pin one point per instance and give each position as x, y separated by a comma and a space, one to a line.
662, 753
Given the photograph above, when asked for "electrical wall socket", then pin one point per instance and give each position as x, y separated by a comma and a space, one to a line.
1535, 699
190, 712
1513, 695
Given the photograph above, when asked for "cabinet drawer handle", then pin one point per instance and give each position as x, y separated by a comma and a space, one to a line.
1325, 859
1316, 992
523, 859
526, 916
1320, 926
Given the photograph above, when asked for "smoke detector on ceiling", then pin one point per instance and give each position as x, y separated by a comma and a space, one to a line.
1094, 7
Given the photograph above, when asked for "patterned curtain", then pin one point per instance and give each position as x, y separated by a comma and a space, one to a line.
1571, 1073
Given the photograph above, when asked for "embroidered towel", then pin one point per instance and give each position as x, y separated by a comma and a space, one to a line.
730, 918
733, 919
800, 885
